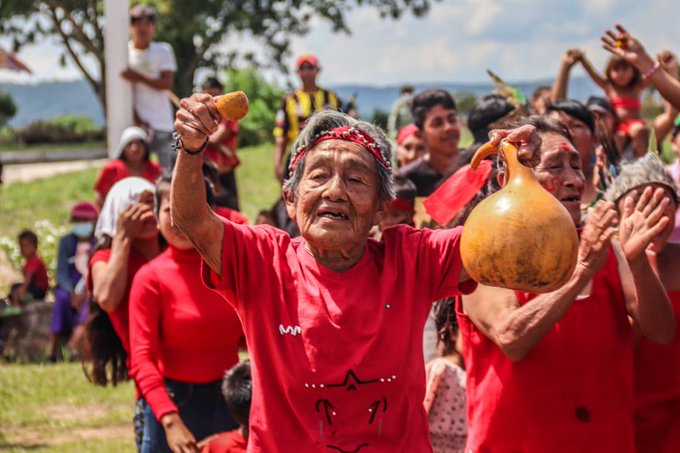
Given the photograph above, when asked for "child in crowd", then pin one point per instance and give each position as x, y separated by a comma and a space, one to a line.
237, 391
400, 211
409, 145
623, 84
445, 401
35, 283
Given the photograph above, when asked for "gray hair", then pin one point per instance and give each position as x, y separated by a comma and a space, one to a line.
646, 170
326, 120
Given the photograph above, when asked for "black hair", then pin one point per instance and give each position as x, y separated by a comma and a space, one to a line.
539, 91
212, 82
424, 101
576, 110
404, 189
484, 112
444, 313
28, 235
545, 124
237, 389
104, 356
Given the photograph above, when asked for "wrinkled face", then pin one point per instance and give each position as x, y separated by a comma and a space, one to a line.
392, 216
134, 151
168, 230
559, 172
621, 75
337, 199
410, 149
582, 136
308, 73
659, 241
142, 31
150, 228
441, 131
26, 247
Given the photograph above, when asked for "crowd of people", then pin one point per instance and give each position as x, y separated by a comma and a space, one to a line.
363, 329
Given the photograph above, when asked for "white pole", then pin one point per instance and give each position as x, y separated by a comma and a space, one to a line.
118, 90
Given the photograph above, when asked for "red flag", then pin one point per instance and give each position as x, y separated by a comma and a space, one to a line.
9, 61
457, 191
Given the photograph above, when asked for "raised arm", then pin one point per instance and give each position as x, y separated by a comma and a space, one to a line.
592, 72
663, 124
195, 121
559, 88
621, 43
516, 329
646, 299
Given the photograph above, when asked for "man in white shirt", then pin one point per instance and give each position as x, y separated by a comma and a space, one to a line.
151, 71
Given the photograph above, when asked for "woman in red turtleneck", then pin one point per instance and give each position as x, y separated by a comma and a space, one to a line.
183, 338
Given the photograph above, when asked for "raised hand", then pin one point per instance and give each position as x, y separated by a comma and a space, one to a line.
597, 232
196, 120
133, 220
529, 151
572, 56
669, 62
621, 43
641, 222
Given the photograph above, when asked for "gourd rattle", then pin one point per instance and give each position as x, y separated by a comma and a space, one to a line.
521, 237
232, 106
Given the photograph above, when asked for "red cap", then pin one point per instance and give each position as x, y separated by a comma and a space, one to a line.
84, 210
406, 132
307, 58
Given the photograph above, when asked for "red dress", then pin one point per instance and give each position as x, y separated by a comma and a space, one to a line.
115, 170
229, 442
657, 392
337, 358
572, 393
179, 329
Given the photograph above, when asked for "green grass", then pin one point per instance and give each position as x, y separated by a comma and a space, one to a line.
54, 408
53, 146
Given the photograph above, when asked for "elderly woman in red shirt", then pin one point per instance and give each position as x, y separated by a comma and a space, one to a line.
333, 320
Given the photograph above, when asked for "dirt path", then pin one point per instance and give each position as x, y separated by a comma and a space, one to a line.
30, 172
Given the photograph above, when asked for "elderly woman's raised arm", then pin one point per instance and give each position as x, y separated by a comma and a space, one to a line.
195, 121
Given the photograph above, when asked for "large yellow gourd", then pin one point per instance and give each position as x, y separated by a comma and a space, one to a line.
521, 237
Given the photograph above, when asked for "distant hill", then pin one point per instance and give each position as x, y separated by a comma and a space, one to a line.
47, 100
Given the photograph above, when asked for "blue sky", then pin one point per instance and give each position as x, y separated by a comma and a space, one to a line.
456, 42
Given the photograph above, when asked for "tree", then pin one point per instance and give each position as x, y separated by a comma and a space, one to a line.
194, 28
7, 108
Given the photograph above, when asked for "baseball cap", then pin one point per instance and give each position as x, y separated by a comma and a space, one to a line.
307, 58
84, 210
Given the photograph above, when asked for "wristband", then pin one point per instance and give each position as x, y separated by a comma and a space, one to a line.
652, 70
177, 145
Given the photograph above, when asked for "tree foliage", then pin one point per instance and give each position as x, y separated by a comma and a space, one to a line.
7, 108
194, 28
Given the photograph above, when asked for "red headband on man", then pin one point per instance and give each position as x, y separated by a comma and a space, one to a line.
347, 133
406, 132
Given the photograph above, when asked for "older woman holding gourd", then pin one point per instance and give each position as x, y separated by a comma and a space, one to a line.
554, 372
333, 320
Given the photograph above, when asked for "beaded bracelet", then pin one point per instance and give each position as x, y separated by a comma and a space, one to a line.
177, 145
652, 70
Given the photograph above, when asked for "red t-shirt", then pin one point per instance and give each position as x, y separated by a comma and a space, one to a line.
572, 393
115, 170
179, 329
231, 214
119, 317
337, 358
231, 141
657, 391
229, 442
35, 266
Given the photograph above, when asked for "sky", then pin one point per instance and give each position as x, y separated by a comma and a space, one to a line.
455, 42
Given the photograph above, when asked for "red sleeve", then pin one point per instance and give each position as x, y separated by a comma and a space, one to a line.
106, 179
152, 171
100, 255
440, 264
145, 310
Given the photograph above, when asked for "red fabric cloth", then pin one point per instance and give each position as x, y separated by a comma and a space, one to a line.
337, 358
229, 442
572, 393
115, 170
35, 266
624, 126
219, 158
657, 391
179, 329
627, 102
119, 317
231, 215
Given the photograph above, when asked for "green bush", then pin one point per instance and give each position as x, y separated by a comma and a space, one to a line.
63, 129
7, 108
264, 100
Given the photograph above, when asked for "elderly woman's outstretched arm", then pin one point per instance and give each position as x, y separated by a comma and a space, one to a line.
195, 121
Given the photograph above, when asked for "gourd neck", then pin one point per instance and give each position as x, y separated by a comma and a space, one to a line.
516, 170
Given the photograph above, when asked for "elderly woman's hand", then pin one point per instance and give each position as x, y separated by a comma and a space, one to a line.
597, 232
529, 151
196, 119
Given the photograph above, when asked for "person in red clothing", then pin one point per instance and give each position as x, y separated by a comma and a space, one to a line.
183, 338
237, 389
221, 150
35, 283
133, 160
657, 366
333, 320
553, 372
